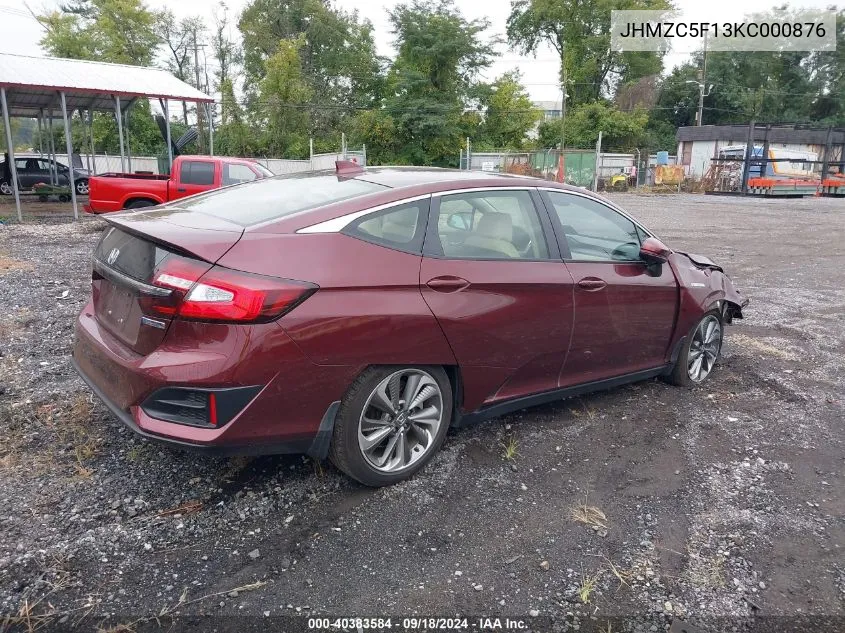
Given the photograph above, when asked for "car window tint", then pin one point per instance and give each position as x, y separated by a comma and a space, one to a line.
234, 174
490, 225
397, 227
197, 172
273, 198
594, 231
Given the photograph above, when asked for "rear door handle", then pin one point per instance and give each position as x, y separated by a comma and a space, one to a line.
592, 284
447, 283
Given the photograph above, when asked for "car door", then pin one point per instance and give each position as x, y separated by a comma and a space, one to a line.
195, 176
27, 172
43, 171
492, 275
625, 310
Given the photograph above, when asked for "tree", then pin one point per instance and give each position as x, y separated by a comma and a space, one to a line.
119, 31
178, 39
284, 98
510, 114
226, 52
621, 131
439, 55
338, 56
580, 34
377, 130
827, 69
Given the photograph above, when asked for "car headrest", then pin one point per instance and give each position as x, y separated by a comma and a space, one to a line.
496, 225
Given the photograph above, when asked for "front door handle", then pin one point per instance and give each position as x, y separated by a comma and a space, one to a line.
591, 284
447, 283
182, 189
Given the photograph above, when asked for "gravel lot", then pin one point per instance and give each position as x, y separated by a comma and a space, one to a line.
723, 505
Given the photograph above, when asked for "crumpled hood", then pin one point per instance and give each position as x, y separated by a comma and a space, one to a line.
702, 261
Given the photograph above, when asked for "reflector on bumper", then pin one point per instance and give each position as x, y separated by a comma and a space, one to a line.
208, 408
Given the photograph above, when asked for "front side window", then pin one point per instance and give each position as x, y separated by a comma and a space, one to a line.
593, 231
490, 225
398, 227
234, 174
197, 172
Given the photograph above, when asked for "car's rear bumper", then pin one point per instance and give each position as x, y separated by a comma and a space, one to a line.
293, 413
307, 445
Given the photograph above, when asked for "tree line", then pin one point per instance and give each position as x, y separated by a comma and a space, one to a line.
304, 69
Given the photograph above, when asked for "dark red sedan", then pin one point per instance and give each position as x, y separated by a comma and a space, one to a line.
359, 314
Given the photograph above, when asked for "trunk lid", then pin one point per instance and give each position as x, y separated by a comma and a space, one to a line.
126, 259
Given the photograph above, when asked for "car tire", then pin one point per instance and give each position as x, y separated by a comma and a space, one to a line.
82, 187
6, 188
139, 204
378, 447
687, 371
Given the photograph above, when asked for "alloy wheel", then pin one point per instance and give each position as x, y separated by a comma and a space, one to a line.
6, 188
82, 188
400, 420
704, 348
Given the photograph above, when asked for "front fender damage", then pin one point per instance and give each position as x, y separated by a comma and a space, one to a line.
705, 285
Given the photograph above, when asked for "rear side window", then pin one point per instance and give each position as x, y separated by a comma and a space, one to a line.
400, 227
274, 198
234, 174
197, 172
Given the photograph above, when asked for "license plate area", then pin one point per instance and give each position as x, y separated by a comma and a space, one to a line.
118, 310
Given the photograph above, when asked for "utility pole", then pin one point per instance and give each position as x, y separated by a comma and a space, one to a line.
563, 97
200, 131
702, 84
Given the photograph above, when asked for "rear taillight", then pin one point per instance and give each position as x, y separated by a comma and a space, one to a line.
219, 294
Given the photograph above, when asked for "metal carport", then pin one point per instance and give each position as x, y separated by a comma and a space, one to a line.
31, 86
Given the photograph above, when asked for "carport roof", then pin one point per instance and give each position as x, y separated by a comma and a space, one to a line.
33, 83
776, 133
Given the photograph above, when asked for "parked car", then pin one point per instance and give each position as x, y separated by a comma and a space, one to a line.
189, 175
36, 169
360, 314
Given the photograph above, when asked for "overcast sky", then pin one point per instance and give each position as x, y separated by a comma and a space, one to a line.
19, 32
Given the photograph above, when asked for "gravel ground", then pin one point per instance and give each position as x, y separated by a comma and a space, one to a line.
721, 506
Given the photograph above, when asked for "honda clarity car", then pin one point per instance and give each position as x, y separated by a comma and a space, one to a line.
358, 314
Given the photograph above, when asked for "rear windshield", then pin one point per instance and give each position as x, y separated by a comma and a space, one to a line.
273, 198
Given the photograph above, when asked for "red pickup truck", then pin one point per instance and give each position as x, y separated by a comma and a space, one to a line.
189, 175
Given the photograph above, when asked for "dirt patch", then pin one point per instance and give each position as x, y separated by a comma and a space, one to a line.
7, 265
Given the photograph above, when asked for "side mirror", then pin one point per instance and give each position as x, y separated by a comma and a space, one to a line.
653, 251
459, 221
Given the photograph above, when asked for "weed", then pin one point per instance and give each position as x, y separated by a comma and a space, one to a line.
509, 449
589, 515
588, 586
